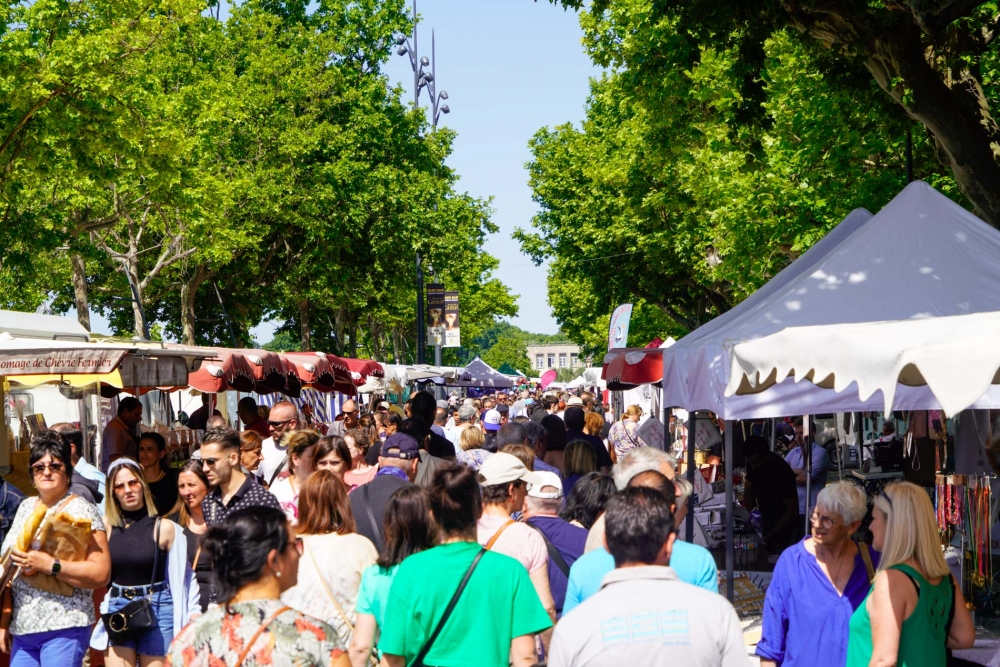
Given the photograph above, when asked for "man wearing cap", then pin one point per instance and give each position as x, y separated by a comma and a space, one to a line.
398, 463
564, 541
504, 481
504, 411
491, 424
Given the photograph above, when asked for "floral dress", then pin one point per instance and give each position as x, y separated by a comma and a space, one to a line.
624, 435
217, 638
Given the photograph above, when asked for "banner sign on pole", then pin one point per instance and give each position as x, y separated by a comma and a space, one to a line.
452, 321
618, 331
435, 305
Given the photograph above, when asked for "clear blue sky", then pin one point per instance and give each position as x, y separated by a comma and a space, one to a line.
510, 67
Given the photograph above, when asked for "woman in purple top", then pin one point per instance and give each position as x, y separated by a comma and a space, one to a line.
817, 585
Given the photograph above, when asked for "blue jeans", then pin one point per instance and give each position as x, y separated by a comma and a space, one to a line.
56, 647
155, 641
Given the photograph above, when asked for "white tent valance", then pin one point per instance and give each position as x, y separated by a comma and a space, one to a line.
957, 358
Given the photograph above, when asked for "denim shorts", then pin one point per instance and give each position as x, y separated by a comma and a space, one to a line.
155, 641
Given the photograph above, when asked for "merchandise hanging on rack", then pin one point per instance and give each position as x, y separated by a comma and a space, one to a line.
962, 505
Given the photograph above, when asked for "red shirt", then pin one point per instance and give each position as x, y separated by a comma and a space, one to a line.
260, 425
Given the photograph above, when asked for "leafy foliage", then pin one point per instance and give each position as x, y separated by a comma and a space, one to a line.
686, 188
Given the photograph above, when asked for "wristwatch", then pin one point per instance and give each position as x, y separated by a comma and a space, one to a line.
56, 567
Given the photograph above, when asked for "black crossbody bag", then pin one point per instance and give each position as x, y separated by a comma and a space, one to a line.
137, 616
419, 662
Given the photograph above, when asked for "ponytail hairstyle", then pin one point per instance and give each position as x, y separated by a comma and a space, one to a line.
455, 499
239, 546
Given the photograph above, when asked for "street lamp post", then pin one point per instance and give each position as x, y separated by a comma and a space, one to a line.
423, 79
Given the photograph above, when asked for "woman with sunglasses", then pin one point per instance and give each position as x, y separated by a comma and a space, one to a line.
148, 559
49, 628
915, 611
255, 557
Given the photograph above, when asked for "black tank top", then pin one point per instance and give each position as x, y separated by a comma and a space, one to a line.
133, 550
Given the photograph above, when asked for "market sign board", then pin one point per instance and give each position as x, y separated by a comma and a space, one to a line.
435, 314
452, 321
618, 329
60, 362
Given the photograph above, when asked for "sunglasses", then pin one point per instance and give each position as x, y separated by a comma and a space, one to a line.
277, 424
210, 462
132, 484
883, 494
51, 467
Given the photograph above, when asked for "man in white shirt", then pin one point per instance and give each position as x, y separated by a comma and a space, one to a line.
284, 417
644, 615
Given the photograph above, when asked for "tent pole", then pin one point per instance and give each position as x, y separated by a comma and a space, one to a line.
689, 524
807, 466
4, 435
730, 518
774, 435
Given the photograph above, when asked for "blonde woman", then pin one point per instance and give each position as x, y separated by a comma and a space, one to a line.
624, 434
301, 446
148, 559
903, 621
470, 448
578, 460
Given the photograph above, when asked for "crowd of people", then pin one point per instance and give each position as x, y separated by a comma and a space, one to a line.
511, 530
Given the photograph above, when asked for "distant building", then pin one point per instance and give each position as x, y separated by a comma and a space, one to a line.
544, 357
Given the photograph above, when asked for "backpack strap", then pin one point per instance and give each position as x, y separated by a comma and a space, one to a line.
277, 471
368, 511
553, 552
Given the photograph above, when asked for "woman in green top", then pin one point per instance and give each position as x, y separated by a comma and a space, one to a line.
498, 614
409, 529
903, 621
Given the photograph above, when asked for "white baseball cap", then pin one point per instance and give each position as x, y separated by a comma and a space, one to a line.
575, 400
491, 420
548, 478
501, 468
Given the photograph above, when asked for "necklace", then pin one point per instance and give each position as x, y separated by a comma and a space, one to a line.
835, 577
150, 480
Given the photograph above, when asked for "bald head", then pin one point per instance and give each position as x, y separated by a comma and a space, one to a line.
350, 412
652, 479
283, 418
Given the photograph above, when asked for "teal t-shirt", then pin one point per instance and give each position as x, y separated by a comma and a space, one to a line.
499, 602
373, 595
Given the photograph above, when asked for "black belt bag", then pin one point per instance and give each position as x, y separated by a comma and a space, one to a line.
137, 616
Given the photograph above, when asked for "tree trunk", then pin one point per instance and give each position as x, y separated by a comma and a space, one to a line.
80, 290
395, 346
352, 341
305, 333
339, 325
911, 66
189, 291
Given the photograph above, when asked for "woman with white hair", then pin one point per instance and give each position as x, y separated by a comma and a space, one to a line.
817, 585
915, 610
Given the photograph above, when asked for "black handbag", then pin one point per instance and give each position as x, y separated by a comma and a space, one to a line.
137, 616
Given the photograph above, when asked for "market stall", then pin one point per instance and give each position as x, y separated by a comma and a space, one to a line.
920, 257
480, 374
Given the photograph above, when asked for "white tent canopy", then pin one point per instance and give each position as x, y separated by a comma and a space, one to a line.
921, 257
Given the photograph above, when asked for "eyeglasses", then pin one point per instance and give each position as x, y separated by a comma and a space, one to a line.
883, 494
132, 484
273, 424
824, 521
51, 467
298, 544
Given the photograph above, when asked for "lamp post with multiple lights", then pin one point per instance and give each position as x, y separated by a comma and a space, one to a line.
423, 79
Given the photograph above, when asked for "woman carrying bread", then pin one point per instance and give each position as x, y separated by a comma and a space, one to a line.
53, 603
